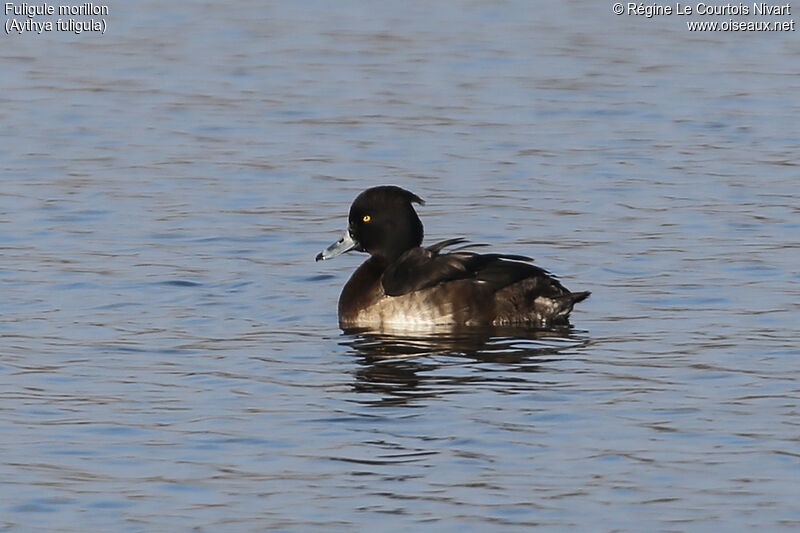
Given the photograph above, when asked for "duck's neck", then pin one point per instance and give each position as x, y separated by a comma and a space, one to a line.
363, 288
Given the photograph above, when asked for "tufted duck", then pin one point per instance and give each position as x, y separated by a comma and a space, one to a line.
405, 285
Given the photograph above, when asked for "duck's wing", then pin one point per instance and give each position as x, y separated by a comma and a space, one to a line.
420, 268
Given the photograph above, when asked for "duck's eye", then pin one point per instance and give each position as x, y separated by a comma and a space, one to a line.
366, 218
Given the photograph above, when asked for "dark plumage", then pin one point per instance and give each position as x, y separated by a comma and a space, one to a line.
405, 285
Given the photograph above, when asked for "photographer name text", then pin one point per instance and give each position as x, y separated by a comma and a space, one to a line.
655, 9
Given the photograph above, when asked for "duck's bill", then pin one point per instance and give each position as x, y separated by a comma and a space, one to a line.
343, 245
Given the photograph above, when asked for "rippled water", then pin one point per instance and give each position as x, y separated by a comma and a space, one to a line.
170, 358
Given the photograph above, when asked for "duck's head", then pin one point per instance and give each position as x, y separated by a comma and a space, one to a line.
382, 222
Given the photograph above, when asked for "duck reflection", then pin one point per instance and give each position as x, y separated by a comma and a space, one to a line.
401, 366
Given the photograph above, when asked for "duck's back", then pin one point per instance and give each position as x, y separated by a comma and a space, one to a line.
426, 287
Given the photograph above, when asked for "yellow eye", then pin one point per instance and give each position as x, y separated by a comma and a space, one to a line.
366, 218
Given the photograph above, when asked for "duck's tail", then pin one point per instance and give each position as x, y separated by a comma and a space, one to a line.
564, 303
576, 297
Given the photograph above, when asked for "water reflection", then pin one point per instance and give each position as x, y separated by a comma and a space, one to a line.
404, 366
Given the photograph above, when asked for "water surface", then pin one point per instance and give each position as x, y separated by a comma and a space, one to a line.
170, 352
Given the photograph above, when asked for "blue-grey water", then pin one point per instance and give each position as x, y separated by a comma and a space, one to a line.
169, 352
